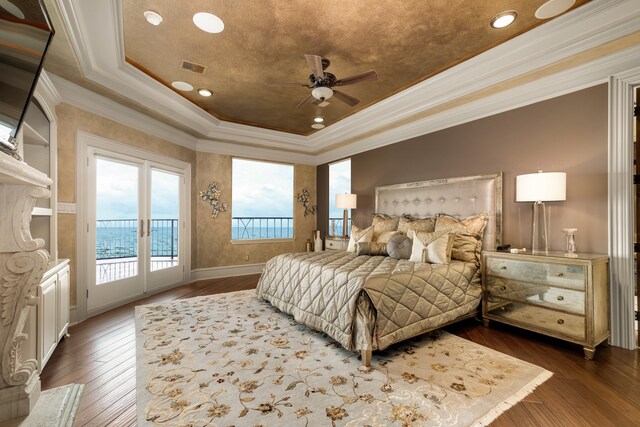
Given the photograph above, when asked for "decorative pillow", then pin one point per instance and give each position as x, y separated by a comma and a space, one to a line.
385, 236
434, 248
382, 223
359, 235
467, 242
399, 247
427, 225
371, 248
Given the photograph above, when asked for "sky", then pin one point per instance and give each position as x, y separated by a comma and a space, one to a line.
261, 189
339, 183
117, 192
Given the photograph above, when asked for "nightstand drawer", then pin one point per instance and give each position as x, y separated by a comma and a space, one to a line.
535, 318
500, 290
335, 244
564, 275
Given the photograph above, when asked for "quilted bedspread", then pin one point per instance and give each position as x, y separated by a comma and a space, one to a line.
369, 301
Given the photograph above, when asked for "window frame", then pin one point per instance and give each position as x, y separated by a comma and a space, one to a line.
293, 198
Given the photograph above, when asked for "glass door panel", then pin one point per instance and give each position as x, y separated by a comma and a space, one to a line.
116, 220
165, 216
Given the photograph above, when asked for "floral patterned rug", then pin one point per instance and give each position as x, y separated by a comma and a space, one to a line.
230, 359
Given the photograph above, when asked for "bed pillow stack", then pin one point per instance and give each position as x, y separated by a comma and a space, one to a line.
467, 242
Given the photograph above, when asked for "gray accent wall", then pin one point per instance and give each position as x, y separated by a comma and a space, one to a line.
563, 134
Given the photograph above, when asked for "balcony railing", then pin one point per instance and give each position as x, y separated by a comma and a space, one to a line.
335, 226
117, 247
272, 227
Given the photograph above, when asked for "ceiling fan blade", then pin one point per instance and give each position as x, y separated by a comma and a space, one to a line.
283, 84
347, 99
369, 76
315, 62
306, 101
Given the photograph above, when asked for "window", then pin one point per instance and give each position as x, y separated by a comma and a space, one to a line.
262, 200
339, 183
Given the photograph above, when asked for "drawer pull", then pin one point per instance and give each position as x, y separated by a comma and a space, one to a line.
504, 267
560, 321
560, 275
502, 288
560, 298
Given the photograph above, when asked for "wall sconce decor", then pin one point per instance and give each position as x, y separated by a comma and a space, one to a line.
304, 199
212, 196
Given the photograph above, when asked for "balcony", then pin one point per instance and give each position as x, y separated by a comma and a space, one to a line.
117, 247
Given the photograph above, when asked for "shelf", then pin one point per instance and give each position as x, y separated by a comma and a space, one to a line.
41, 212
31, 136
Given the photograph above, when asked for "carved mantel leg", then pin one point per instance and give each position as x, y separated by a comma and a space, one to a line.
23, 262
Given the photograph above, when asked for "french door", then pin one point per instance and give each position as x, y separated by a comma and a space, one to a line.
135, 227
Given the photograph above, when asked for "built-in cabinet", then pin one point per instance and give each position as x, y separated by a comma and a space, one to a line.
48, 322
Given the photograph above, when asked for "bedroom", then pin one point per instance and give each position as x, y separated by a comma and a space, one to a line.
547, 104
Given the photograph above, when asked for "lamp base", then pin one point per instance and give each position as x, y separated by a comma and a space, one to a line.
539, 236
345, 223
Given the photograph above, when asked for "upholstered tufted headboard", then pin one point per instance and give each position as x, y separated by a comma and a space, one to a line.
458, 197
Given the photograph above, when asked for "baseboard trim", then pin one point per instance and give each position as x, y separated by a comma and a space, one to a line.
226, 271
73, 315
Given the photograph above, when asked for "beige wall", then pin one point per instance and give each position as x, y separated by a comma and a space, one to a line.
214, 247
563, 134
71, 120
210, 238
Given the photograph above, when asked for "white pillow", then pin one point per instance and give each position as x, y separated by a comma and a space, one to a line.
359, 235
434, 248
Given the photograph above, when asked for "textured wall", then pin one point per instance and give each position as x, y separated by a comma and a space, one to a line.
564, 134
214, 247
71, 120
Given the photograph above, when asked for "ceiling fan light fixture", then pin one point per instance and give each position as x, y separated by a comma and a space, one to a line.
318, 120
317, 126
208, 22
504, 19
152, 17
205, 92
322, 93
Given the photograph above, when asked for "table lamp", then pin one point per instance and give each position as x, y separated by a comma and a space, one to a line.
539, 188
346, 201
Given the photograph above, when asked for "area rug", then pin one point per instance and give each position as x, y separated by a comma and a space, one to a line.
231, 359
56, 407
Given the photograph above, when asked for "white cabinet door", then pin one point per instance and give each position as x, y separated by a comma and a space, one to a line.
47, 318
63, 302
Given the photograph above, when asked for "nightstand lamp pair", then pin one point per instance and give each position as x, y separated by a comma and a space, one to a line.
346, 201
539, 188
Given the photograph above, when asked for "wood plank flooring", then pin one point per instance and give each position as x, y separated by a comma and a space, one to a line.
100, 353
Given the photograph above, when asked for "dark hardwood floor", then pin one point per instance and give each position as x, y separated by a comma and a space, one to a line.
100, 353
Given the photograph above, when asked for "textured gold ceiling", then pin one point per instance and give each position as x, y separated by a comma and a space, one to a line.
265, 40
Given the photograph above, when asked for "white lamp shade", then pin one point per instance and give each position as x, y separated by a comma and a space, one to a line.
541, 187
346, 201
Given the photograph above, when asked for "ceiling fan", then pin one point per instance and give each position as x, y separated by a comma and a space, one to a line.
322, 83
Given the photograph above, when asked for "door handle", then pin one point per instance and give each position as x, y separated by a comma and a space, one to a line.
142, 228
149, 228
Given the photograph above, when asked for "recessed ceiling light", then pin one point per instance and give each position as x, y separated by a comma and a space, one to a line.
504, 19
11, 8
317, 126
318, 120
153, 18
184, 86
553, 8
205, 92
208, 22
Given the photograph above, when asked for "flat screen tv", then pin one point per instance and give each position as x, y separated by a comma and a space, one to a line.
25, 35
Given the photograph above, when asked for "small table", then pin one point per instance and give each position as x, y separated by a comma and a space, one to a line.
336, 243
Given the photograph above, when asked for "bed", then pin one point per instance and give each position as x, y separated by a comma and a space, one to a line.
368, 303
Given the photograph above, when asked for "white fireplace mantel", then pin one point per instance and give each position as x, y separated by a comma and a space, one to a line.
23, 261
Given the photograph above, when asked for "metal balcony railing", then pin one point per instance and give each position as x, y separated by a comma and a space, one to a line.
271, 227
335, 226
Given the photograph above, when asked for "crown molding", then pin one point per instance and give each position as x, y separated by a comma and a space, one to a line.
577, 78
48, 90
96, 26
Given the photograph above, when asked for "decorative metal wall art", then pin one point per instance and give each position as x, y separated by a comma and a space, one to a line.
304, 199
212, 196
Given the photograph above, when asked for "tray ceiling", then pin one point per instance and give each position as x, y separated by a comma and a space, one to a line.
405, 42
